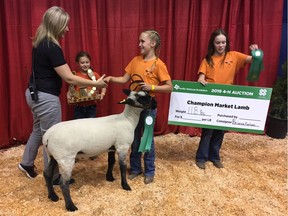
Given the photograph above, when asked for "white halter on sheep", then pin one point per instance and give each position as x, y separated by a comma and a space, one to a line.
90, 137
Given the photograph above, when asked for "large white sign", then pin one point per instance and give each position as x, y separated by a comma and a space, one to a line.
223, 107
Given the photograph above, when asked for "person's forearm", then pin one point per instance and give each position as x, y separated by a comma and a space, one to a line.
119, 80
65, 73
79, 81
165, 88
249, 59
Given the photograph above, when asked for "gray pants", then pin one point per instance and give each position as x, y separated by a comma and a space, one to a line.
46, 112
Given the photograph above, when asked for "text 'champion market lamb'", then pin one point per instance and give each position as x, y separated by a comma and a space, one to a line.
221, 105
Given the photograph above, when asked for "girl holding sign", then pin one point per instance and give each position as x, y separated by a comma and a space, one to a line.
219, 66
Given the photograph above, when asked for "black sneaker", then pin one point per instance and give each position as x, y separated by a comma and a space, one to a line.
28, 170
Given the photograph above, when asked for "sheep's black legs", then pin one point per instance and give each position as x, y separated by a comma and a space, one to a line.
48, 174
111, 162
123, 170
67, 197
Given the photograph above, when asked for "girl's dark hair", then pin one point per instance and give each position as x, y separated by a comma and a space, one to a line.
211, 48
82, 54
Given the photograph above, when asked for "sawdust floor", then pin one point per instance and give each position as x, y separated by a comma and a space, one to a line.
253, 182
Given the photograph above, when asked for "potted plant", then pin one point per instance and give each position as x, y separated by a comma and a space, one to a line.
277, 114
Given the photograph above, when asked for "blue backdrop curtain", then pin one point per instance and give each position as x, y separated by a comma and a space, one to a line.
283, 49
109, 31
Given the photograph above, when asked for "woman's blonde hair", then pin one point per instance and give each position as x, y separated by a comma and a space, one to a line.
53, 25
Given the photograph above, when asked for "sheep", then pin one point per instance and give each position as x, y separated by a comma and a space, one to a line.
67, 140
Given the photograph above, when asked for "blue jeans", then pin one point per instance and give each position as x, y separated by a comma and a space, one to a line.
209, 146
84, 112
135, 156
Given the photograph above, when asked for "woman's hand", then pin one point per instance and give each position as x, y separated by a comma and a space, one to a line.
101, 82
253, 47
107, 79
102, 94
145, 86
202, 80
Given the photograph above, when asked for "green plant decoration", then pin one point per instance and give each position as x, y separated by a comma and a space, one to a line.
278, 102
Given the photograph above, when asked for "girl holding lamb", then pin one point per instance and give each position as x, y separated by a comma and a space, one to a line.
152, 76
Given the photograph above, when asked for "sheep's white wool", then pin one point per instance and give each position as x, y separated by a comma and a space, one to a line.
91, 137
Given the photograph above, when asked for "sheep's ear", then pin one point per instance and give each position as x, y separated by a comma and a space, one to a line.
126, 91
143, 93
127, 101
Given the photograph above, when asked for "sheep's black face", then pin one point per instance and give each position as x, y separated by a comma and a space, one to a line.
139, 99
144, 98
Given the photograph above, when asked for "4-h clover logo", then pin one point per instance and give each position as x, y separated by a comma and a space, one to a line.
176, 87
262, 92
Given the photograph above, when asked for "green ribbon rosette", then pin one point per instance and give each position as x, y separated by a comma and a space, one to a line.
146, 139
256, 66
